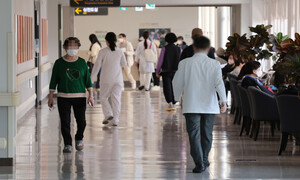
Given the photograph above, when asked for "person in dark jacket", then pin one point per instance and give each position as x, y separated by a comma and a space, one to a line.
250, 73
189, 51
167, 66
181, 43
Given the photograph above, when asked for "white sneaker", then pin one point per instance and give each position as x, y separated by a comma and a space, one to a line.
155, 88
171, 107
113, 123
133, 86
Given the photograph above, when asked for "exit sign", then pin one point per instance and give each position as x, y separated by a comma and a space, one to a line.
95, 3
91, 11
150, 6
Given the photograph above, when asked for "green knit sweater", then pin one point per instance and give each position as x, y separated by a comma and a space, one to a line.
71, 78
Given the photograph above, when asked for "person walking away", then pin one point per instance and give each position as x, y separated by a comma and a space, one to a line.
111, 59
156, 80
189, 51
146, 68
167, 66
199, 78
70, 74
93, 54
127, 48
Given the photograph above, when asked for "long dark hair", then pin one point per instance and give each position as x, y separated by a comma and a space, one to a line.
248, 69
111, 38
93, 38
146, 36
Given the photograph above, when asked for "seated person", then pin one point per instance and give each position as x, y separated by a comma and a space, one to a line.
250, 74
238, 66
288, 87
221, 56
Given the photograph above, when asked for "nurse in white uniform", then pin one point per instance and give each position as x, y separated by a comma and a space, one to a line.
145, 68
111, 59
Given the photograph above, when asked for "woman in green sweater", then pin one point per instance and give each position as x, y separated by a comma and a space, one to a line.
70, 74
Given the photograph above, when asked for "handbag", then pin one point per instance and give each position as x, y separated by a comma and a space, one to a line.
90, 64
150, 56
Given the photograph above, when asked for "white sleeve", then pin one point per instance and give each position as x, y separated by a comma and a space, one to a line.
123, 59
97, 66
178, 82
130, 50
137, 53
219, 83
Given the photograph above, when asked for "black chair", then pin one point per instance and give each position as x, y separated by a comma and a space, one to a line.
289, 113
246, 110
230, 76
236, 100
263, 108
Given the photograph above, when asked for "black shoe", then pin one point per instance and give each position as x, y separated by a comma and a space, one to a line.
198, 169
141, 88
206, 164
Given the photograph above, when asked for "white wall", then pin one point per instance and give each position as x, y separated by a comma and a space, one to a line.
181, 20
52, 13
25, 8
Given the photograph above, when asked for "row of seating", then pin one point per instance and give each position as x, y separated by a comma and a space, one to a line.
252, 106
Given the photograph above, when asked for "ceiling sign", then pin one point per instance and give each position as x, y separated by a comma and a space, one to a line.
95, 3
91, 11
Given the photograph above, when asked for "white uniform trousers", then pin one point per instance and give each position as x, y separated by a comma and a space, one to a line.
145, 79
110, 97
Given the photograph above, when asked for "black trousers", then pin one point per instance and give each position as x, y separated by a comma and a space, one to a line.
155, 80
168, 86
64, 109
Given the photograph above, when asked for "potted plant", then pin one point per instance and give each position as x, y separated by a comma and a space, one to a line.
288, 62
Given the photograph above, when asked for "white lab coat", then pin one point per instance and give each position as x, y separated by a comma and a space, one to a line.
111, 63
111, 80
144, 67
199, 78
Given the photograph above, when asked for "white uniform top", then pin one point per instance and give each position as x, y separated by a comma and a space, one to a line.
111, 63
144, 67
199, 78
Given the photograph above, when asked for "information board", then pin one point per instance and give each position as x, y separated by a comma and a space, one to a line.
95, 3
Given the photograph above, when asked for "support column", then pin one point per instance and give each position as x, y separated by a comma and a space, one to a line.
221, 27
8, 96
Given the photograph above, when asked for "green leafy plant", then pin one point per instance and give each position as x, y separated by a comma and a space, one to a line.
250, 49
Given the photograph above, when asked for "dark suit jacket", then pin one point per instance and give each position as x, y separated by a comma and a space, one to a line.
189, 52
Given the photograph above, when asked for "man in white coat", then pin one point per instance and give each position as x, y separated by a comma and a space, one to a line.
198, 80
128, 50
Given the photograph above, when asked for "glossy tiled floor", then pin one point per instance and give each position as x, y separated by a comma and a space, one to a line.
148, 144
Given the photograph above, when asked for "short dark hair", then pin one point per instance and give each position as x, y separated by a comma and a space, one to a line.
180, 37
171, 38
67, 41
123, 35
201, 42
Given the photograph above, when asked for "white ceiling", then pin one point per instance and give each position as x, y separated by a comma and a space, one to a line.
174, 2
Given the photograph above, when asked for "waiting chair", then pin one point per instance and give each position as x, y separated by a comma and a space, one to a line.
236, 100
289, 113
263, 108
246, 110
230, 76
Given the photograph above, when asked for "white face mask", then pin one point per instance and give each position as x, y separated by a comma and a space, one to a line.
72, 52
179, 42
120, 40
259, 73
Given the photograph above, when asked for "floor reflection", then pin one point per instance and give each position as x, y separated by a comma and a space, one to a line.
149, 144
